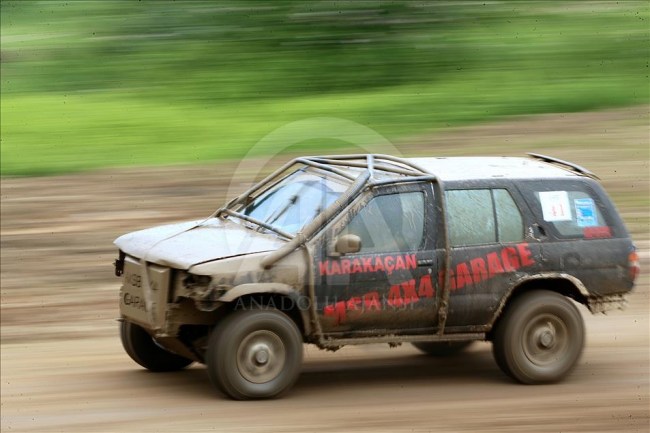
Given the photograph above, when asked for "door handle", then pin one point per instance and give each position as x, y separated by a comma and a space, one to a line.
425, 262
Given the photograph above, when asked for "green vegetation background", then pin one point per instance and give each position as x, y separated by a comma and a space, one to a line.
93, 84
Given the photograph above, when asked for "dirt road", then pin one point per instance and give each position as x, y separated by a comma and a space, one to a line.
63, 369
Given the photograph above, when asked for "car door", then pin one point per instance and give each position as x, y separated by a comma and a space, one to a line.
389, 283
489, 252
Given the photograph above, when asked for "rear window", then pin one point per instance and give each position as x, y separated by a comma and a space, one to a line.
573, 213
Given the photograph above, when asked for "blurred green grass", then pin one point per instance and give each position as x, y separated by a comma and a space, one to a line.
95, 84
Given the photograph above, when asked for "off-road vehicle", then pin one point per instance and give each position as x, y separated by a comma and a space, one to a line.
356, 249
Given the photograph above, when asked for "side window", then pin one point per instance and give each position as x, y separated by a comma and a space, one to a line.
510, 223
572, 213
390, 223
482, 216
470, 217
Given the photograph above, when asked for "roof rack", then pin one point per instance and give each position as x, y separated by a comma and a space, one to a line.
569, 165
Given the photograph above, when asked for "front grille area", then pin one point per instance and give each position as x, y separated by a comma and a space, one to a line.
143, 297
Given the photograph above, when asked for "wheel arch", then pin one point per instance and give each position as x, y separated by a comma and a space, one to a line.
561, 283
271, 295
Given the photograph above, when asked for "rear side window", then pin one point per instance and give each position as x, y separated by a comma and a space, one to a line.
482, 216
573, 213
510, 224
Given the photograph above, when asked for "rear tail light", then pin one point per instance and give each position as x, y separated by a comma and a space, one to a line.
633, 265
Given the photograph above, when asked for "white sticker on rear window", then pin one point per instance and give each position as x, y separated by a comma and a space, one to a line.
555, 205
586, 215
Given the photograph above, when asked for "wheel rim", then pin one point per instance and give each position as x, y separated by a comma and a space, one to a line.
261, 356
546, 339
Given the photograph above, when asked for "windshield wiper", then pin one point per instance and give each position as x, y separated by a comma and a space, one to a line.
292, 200
257, 222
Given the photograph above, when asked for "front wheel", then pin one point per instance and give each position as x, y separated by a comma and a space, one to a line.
143, 349
254, 354
540, 338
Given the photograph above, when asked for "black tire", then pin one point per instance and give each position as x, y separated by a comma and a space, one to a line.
254, 354
539, 339
442, 348
142, 348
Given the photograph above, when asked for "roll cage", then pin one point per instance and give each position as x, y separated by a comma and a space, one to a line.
393, 170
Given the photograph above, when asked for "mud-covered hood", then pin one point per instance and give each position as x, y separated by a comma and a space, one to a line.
189, 243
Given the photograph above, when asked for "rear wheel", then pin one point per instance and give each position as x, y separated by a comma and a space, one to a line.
442, 348
540, 338
143, 349
254, 354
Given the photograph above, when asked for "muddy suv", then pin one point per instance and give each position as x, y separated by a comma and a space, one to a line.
357, 249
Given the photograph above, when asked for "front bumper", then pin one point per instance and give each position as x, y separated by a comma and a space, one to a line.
144, 293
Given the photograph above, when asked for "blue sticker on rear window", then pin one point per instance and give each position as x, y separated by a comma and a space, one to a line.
586, 212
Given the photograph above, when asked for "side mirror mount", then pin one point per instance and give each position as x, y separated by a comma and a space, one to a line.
347, 244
